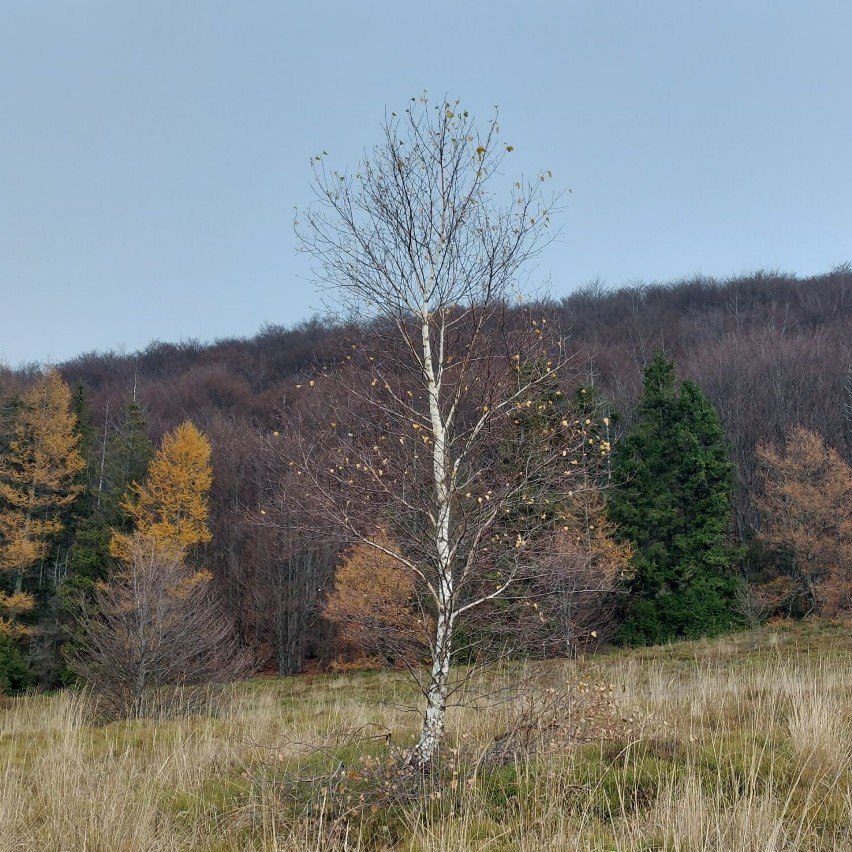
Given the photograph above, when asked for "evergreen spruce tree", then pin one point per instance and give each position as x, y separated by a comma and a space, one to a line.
673, 502
534, 434
129, 451
61, 581
118, 461
83, 508
10, 406
117, 454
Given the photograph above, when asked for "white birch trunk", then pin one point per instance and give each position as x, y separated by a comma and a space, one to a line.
432, 731
436, 695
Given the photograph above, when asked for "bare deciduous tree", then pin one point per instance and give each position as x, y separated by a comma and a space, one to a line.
292, 572
414, 244
155, 636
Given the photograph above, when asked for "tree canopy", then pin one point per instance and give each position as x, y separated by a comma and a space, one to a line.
170, 507
672, 500
37, 482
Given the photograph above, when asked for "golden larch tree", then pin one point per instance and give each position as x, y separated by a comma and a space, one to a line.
372, 606
37, 481
170, 508
806, 507
158, 624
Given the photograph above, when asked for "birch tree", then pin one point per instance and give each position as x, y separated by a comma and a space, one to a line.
415, 246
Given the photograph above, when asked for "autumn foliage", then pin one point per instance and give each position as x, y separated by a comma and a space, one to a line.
806, 507
372, 607
591, 567
37, 481
170, 508
157, 630
768, 350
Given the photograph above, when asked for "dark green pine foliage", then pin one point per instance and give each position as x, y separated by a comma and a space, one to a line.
129, 451
532, 434
78, 513
89, 550
14, 673
63, 581
9, 407
673, 501
119, 458
117, 455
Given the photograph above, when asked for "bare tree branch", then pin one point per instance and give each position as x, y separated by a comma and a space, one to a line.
418, 417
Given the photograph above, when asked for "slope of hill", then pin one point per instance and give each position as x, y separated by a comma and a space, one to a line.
769, 350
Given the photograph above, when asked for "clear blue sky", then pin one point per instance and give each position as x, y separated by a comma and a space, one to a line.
152, 152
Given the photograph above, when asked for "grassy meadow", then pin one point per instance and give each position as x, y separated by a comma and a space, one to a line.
742, 743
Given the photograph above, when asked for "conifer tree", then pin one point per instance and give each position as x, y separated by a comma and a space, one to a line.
535, 431
673, 501
127, 453
71, 574
10, 405
83, 512
170, 508
119, 459
806, 507
373, 607
84, 429
158, 623
37, 481
574, 594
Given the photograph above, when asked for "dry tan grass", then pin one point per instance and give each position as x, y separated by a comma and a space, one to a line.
737, 745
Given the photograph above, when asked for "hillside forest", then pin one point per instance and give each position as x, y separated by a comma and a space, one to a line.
711, 420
